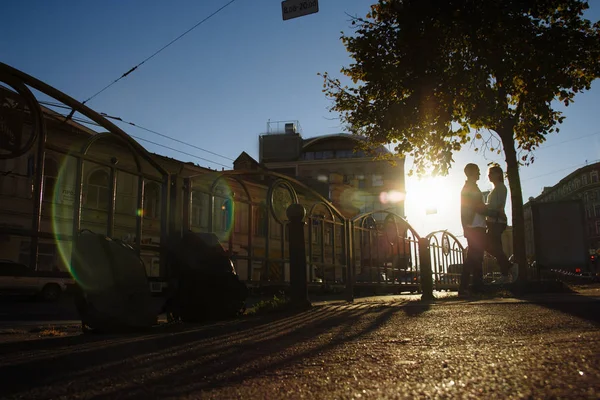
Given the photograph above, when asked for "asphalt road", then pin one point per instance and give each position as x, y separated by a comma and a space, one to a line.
545, 347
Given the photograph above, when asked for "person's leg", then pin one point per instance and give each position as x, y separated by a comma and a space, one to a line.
494, 247
467, 265
478, 240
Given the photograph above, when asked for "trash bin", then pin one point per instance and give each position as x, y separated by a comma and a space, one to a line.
112, 292
203, 284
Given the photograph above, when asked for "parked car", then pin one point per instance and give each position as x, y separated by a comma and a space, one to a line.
18, 279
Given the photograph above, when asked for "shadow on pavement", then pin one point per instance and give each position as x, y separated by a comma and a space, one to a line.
555, 295
563, 298
177, 361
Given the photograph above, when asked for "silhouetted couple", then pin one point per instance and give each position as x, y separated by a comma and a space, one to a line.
483, 225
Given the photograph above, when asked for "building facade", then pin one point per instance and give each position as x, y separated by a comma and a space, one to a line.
582, 184
355, 179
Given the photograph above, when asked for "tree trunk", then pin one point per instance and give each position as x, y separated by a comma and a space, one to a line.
516, 196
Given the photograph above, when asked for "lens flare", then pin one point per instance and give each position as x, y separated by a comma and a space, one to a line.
391, 197
63, 201
224, 211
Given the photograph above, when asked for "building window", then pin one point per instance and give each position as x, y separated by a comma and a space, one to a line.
152, 200
225, 215
240, 218
597, 227
584, 179
199, 211
597, 210
316, 230
259, 220
318, 155
309, 155
50, 177
327, 154
377, 180
595, 177
97, 191
362, 182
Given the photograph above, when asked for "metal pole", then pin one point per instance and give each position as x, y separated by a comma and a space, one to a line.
349, 261
38, 190
112, 190
187, 202
164, 224
77, 205
425, 269
297, 249
139, 217
250, 235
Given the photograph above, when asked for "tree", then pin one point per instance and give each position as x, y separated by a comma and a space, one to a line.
430, 76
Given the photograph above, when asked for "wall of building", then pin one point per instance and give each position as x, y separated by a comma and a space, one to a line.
583, 184
354, 181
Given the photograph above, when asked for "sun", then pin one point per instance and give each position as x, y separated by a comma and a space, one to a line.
426, 194
430, 201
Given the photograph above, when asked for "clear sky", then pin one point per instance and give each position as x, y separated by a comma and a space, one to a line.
217, 86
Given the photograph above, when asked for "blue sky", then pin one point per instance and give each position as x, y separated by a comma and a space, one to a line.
217, 87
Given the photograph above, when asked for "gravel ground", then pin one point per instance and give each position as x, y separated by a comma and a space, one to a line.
380, 348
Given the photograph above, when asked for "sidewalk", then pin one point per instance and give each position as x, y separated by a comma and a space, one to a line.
377, 347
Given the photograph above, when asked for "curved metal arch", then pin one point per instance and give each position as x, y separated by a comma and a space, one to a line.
433, 237
456, 241
34, 107
289, 179
370, 213
83, 109
272, 187
314, 206
108, 135
214, 185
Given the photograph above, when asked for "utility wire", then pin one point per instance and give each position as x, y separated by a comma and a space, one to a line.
158, 51
166, 136
143, 128
84, 121
568, 140
558, 170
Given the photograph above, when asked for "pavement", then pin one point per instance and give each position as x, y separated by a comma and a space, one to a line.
396, 347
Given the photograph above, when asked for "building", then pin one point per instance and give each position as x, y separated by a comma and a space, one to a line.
582, 184
341, 167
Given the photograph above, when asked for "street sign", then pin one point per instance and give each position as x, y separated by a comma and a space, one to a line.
298, 8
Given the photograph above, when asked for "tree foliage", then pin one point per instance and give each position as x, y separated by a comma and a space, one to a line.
426, 73
430, 76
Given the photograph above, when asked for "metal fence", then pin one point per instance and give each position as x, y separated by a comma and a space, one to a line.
129, 195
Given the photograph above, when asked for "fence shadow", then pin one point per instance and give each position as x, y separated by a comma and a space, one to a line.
180, 362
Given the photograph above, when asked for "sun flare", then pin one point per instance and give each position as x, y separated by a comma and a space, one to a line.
430, 198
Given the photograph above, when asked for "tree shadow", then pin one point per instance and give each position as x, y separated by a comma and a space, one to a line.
174, 363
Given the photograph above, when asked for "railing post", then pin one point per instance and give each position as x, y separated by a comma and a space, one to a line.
349, 256
298, 284
425, 269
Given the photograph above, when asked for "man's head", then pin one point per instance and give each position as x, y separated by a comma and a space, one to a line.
495, 174
472, 171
